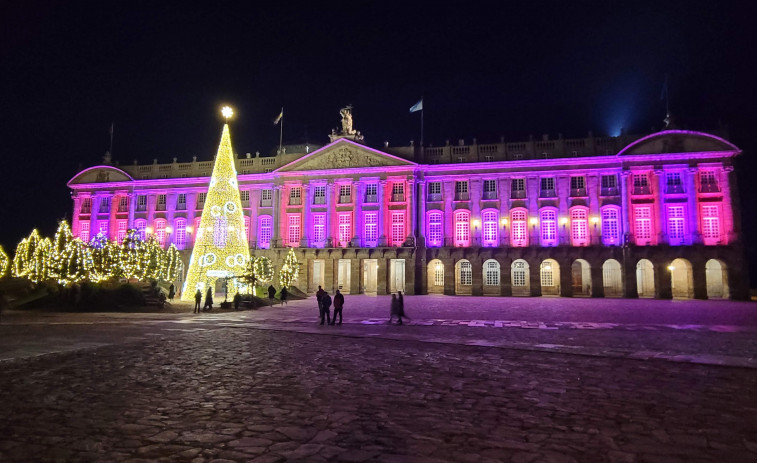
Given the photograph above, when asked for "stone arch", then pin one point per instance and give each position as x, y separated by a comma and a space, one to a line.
645, 278
612, 278
492, 277
717, 279
580, 272
463, 277
435, 275
520, 277
549, 272
681, 278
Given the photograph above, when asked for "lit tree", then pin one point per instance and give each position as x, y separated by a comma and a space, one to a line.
39, 270
106, 257
263, 268
154, 259
290, 270
58, 258
4, 262
172, 263
23, 261
76, 264
221, 249
131, 256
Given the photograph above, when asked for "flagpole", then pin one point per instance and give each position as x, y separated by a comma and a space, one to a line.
281, 129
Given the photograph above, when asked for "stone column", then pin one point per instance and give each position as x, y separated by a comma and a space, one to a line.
330, 214
277, 211
534, 273
355, 275
592, 190
505, 277
306, 225
477, 267
566, 278
358, 229
699, 279
628, 267
412, 216
448, 195
562, 184
420, 218
694, 235
449, 276
663, 288
475, 211
382, 276
729, 226
597, 282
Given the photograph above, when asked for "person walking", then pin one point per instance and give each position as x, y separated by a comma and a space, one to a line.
394, 309
326, 312
198, 299
208, 300
171, 292
338, 304
401, 305
271, 293
284, 294
318, 296
237, 301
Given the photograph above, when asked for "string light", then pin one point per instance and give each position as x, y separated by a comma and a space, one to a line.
4, 262
221, 250
290, 270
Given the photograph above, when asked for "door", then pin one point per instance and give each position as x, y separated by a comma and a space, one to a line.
318, 268
343, 276
370, 276
397, 275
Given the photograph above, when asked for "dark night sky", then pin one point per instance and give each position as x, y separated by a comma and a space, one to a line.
160, 74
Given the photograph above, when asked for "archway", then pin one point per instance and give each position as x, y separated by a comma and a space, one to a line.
580, 272
612, 278
549, 271
645, 278
435, 277
491, 277
463, 277
521, 278
681, 278
717, 279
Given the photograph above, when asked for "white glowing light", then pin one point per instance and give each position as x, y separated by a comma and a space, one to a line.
227, 112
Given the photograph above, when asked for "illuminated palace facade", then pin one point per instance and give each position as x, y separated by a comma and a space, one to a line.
653, 216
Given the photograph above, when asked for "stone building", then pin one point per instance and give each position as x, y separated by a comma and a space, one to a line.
653, 216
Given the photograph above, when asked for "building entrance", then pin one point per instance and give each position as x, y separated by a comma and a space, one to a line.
343, 276
397, 275
370, 276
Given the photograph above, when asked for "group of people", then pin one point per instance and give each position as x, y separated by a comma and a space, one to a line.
208, 301
397, 308
324, 306
237, 298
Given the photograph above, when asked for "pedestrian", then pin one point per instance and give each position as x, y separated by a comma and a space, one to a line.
284, 294
208, 300
318, 296
326, 312
198, 299
395, 310
271, 292
401, 304
237, 301
171, 292
338, 304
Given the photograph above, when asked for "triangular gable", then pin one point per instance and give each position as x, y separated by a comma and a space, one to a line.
100, 174
678, 141
344, 154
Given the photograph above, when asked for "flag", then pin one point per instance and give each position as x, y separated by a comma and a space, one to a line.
417, 106
278, 118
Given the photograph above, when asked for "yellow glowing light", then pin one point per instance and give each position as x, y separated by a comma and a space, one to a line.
227, 112
532, 221
169, 229
594, 220
476, 223
149, 230
190, 229
564, 220
504, 222
671, 268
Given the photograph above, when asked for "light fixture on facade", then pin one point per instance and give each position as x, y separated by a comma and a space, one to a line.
564, 221
671, 268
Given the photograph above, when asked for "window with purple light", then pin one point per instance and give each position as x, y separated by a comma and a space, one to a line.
579, 226
319, 228
398, 228
643, 225
462, 228
370, 222
84, 231
345, 229
610, 226
435, 234
711, 234
121, 230
103, 228
160, 231
180, 239
264, 231
518, 227
294, 229
141, 226
676, 225
247, 228
490, 223
548, 227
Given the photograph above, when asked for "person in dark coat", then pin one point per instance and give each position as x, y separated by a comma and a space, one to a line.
401, 303
198, 299
271, 292
171, 292
237, 301
338, 304
395, 310
318, 296
208, 300
326, 312
284, 294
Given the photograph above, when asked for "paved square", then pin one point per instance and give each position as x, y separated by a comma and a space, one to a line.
469, 379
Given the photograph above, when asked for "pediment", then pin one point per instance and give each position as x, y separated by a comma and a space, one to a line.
678, 141
100, 174
344, 154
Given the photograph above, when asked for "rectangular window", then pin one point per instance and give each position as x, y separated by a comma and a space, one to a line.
104, 229
490, 227
610, 235
548, 187
398, 192
579, 227
466, 273
266, 198
548, 228
371, 193
105, 205
435, 234
435, 191
319, 194
181, 202
201, 200
264, 237
641, 184
711, 225
490, 189
121, 231
609, 185
519, 228
461, 191
345, 194
371, 228
295, 196
675, 224
345, 229
123, 204
294, 229
438, 274
319, 228
244, 196
462, 228
84, 231
578, 186
708, 182
161, 205
518, 188
643, 224
398, 228
181, 234
86, 205
673, 182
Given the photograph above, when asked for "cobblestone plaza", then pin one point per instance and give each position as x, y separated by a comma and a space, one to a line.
468, 379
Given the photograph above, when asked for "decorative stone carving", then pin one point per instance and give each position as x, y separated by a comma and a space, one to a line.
343, 157
348, 130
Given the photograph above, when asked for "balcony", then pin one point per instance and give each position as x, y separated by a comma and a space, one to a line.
548, 193
518, 194
609, 191
86, 210
345, 199
295, 201
574, 192
371, 198
462, 196
160, 207
435, 197
143, 207
674, 189
641, 190
709, 188
179, 207
398, 197
266, 202
319, 200
490, 195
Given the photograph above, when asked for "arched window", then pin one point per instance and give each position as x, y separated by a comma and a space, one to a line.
610, 226
435, 233
518, 228
711, 234
579, 226
84, 231
295, 228
140, 225
160, 231
439, 273
547, 273
519, 273
180, 240
491, 273
265, 229
462, 228
466, 273
676, 225
490, 220
549, 227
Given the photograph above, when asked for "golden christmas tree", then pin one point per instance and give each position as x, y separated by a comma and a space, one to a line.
221, 250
